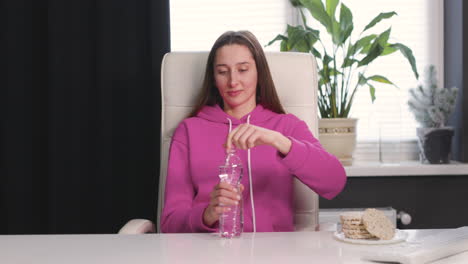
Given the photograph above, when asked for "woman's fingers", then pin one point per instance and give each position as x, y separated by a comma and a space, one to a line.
253, 139
239, 136
221, 209
224, 201
245, 140
225, 185
229, 139
247, 136
212, 213
234, 136
224, 194
225, 198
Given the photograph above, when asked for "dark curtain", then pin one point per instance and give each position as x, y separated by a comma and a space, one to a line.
80, 113
456, 71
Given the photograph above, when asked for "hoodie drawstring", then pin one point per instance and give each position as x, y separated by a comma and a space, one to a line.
252, 203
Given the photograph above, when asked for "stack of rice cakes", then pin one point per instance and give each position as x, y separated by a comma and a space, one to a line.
370, 224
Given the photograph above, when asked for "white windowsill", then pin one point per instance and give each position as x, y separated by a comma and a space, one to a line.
406, 168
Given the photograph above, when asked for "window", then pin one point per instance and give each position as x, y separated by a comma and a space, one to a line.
195, 25
386, 129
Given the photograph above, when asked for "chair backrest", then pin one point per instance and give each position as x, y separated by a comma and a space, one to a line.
295, 78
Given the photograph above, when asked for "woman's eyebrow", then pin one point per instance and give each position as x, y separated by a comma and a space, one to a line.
225, 65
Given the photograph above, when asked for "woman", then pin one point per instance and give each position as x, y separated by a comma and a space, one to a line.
239, 108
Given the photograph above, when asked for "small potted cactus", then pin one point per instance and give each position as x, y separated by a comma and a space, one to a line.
432, 107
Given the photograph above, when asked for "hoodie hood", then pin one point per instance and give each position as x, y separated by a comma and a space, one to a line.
216, 114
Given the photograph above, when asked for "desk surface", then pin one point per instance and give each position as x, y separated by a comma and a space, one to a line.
293, 247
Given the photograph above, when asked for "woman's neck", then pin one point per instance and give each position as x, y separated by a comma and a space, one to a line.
239, 111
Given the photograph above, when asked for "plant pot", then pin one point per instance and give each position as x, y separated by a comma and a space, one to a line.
338, 137
434, 144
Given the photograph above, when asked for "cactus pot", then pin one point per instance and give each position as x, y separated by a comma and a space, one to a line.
434, 144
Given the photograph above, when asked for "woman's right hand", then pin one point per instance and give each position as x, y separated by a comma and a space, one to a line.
221, 197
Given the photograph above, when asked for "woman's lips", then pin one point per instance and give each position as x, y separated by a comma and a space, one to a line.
234, 93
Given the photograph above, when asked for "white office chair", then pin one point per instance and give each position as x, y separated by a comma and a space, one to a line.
295, 78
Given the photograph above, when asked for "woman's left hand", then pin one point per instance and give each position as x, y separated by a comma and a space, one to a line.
247, 136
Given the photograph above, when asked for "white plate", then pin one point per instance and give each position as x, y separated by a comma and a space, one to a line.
400, 236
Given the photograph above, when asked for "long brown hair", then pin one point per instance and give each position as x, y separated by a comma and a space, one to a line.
266, 92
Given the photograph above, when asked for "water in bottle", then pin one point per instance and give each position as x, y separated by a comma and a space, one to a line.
231, 223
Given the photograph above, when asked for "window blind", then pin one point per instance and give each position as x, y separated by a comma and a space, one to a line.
195, 25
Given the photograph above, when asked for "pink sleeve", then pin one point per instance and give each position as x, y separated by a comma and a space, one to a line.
312, 165
180, 214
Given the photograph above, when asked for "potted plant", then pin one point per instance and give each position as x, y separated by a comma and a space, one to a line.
432, 107
341, 66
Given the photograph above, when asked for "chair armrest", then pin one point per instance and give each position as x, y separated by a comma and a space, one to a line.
138, 226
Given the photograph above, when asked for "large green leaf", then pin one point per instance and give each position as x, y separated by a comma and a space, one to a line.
298, 43
325, 72
348, 62
331, 8
294, 35
317, 10
380, 78
334, 29
408, 53
372, 92
336, 32
297, 39
372, 55
312, 36
327, 59
316, 53
376, 48
362, 43
379, 18
346, 23
382, 39
278, 37
284, 46
366, 43
388, 50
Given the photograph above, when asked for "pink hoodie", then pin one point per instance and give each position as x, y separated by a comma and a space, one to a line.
197, 151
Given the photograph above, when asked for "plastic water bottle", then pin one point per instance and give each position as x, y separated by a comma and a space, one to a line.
231, 223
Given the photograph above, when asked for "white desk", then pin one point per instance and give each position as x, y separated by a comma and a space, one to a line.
268, 248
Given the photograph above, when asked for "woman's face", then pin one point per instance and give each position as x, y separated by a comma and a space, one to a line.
235, 75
